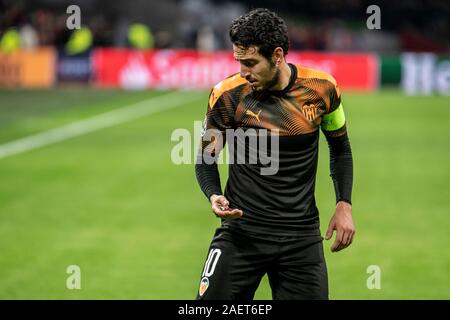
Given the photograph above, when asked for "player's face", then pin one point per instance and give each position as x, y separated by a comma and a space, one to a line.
261, 73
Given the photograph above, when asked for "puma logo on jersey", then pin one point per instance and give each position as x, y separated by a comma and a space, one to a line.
252, 114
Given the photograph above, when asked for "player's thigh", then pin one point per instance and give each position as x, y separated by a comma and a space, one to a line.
215, 279
301, 272
228, 273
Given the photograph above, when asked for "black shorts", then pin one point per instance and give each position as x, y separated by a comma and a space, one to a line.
236, 263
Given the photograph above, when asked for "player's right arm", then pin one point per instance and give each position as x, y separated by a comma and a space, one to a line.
218, 118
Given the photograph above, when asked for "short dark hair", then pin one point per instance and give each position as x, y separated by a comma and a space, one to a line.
262, 28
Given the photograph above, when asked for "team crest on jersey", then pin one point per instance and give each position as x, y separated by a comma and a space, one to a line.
309, 110
204, 284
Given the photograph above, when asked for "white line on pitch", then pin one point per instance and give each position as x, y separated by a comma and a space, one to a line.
104, 120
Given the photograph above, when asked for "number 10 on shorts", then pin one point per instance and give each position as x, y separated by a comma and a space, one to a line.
211, 262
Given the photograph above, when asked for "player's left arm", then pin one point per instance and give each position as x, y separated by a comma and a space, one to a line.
341, 170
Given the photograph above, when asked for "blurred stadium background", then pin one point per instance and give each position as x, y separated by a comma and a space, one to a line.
86, 117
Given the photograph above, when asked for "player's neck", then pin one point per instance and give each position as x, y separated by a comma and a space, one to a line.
285, 76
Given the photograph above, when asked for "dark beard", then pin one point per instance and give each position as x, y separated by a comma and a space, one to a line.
272, 82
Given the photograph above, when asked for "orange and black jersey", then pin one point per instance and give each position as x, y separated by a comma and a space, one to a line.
282, 203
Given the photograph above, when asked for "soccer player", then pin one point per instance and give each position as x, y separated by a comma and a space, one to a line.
270, 222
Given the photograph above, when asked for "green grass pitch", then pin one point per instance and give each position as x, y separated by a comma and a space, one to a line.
113, 203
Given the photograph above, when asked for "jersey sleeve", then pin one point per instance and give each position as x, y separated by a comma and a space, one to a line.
341, 160
217, 120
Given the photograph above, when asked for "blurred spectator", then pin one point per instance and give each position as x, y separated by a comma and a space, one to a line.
140, 36
10, 40
163, 39
44, 22
414, 25
80, 41
206, 39
28, 37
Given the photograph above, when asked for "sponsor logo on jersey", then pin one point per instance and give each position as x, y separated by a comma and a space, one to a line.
252, 114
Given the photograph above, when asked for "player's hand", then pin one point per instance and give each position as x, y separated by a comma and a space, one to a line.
342, 222
219, 205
